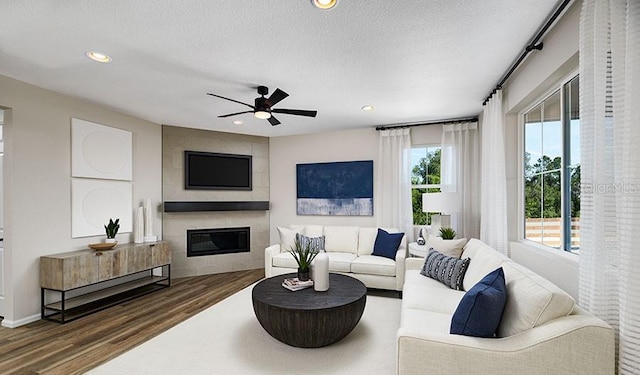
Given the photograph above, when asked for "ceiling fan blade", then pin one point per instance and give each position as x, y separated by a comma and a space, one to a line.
273, 121
297, 112
232, 100
277, 96
233, 114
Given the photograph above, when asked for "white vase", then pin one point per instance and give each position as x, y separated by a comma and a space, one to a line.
321, 272
110, 240
148, 218
138, 230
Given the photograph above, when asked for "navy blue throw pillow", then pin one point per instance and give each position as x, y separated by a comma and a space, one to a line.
387, 244
480, 310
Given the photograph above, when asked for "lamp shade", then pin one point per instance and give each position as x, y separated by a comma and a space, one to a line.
440, 202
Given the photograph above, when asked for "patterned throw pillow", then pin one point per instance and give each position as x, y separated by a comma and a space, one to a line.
448, 270
315, 243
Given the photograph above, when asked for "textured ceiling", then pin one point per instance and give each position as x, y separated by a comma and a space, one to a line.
414, 60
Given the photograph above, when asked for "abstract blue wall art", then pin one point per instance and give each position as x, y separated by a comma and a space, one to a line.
336, 189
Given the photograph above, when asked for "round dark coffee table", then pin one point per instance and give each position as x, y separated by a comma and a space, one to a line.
306, 318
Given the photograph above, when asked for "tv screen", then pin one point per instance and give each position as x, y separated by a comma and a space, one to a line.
213, 171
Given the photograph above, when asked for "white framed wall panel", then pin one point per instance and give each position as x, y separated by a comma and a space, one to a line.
94, 202
99, 151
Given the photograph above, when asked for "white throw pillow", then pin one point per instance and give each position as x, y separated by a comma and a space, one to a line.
452, 248
287, 239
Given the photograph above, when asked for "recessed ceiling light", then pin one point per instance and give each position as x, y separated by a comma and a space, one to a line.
324, 4
97, 56
238, 122
368, 107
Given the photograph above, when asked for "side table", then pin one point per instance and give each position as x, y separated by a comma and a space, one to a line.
416, 250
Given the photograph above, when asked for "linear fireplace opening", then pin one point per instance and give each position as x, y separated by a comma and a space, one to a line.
217, 241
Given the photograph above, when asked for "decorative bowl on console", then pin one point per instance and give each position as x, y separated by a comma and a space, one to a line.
103, 246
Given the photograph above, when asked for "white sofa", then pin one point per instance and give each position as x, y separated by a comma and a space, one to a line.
349, 249
542, 331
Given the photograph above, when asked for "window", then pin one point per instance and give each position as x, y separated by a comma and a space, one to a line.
552, 169
425, 178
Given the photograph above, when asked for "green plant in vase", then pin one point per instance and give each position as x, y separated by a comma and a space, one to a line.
447, 233
304, 255
112, 229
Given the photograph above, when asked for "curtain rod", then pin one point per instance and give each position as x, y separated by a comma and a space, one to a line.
534, 45
439, 122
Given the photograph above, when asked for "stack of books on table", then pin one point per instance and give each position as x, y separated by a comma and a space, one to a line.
295, 284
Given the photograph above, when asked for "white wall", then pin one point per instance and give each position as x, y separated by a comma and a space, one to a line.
350, 145
540, 72
37, 186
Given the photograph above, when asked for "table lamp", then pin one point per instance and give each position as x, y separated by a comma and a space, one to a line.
443, 204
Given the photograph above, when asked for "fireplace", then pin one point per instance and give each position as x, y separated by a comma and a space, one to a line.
217, 241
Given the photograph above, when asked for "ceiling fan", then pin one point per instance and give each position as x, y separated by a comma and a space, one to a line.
263, 106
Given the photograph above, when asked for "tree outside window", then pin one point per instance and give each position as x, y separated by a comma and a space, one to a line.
552, 170
425, 178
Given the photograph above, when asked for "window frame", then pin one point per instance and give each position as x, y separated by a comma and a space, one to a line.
565, 233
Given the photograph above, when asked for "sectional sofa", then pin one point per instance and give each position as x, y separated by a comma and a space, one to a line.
540, 331
350, 251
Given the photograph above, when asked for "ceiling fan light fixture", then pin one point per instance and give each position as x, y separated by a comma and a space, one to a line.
98, 56
324, 4
262, 115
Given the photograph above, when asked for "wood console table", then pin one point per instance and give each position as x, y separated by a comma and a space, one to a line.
84, 279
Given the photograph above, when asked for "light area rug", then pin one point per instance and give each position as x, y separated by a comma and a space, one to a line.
227, 339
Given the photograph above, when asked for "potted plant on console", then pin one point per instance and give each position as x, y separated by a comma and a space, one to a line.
447, 233
112, 229
304, 255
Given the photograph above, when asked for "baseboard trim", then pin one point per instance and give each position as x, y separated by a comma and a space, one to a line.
20, 322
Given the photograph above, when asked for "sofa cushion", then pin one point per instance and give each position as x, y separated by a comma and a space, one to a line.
315, 244
448, 270
373, 265
430, 295
452, 248
480, 310
424, 323
340, 262
341, 239
387, 244
484, 259
531, 300
367, 238
308, 230
287, 239
284, 259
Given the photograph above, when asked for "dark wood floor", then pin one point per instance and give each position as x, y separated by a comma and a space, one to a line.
45, 347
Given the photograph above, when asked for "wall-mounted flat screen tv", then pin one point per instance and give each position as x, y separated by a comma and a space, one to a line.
213, 171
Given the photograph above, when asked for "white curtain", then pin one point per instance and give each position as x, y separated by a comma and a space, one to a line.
394, 181
493, 187
610, 170
459, 173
